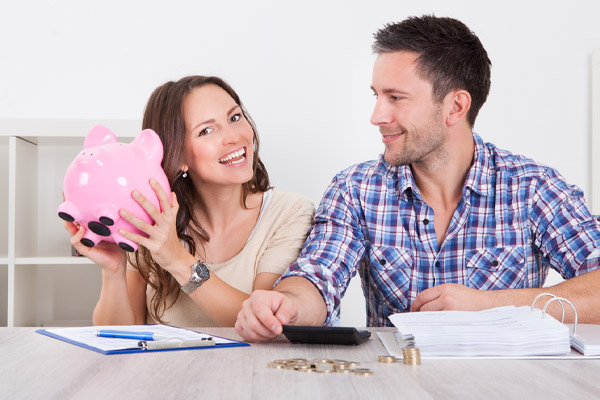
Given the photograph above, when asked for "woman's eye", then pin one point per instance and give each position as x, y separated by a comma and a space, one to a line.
236, 118
205, 131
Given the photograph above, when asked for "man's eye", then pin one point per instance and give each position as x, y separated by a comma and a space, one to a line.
395, 98
235, 118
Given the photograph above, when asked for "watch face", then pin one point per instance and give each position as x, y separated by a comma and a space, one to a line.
201, 273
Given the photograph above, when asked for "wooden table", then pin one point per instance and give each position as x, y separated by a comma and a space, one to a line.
34, 366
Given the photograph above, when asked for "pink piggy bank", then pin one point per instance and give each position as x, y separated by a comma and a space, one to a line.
99, 182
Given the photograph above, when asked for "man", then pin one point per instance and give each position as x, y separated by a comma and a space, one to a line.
442, 218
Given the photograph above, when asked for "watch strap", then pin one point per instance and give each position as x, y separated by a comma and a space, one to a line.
200, 274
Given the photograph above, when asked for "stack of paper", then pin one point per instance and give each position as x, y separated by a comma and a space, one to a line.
502, 331
587, 339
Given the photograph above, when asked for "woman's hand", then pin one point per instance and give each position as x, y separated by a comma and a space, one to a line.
162, 240
106, 254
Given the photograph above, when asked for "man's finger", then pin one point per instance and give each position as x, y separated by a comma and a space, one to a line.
265, 313
436, 304
286, 314
425, 297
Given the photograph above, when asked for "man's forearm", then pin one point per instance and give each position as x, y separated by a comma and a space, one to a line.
583, 291
308, 299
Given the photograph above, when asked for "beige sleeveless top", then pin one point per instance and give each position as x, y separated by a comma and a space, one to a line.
272, 247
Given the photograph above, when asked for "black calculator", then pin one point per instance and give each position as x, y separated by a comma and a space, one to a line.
325, 335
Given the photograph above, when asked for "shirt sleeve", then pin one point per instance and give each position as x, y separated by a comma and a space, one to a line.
565, 231
333, 249
285, 244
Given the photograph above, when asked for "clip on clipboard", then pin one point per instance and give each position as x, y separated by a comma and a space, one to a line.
175, 343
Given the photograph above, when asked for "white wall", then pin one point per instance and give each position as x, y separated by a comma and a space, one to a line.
303, 70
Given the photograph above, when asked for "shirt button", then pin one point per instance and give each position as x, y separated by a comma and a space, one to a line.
438, 264
382, 261
494, 263
425, 221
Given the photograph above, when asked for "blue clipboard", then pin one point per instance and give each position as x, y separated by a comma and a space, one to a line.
86, 337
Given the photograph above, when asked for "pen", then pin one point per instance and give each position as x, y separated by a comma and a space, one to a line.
173, 344
130, 335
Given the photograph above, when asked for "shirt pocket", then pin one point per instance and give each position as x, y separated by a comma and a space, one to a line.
496, 268
391, 271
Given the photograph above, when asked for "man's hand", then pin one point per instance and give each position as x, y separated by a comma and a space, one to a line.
451, 296
263, 314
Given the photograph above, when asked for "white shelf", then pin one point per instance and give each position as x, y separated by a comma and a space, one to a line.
67, 260
66, 128
43, 281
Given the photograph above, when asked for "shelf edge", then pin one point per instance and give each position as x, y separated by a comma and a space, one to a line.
66, 260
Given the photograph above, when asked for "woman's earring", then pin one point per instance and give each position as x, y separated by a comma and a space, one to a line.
184, 174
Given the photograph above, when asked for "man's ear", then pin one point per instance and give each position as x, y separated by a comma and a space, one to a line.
458, 103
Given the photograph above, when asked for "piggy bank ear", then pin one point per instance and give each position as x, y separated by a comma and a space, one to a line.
150, 143
99, 135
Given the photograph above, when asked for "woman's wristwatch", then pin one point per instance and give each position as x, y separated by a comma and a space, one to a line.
200, 274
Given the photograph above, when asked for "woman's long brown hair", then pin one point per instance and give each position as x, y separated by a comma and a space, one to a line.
164, 115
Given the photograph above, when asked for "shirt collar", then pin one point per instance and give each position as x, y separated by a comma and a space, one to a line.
479, 176
399, 178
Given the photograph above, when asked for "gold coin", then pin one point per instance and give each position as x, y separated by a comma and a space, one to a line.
363, 371
324, 368
341, 367
296, 360
387, 359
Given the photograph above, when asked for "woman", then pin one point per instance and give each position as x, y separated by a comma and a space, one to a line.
221, 234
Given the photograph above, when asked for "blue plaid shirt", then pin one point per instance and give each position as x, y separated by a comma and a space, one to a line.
515, 219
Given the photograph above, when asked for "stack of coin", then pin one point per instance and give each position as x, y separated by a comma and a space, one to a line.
412, 355
322, 366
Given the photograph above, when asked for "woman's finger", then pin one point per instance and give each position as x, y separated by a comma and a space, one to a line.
139, 239
146, 204
76, 240
135, 221
163, 197
70, 227
174, 203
